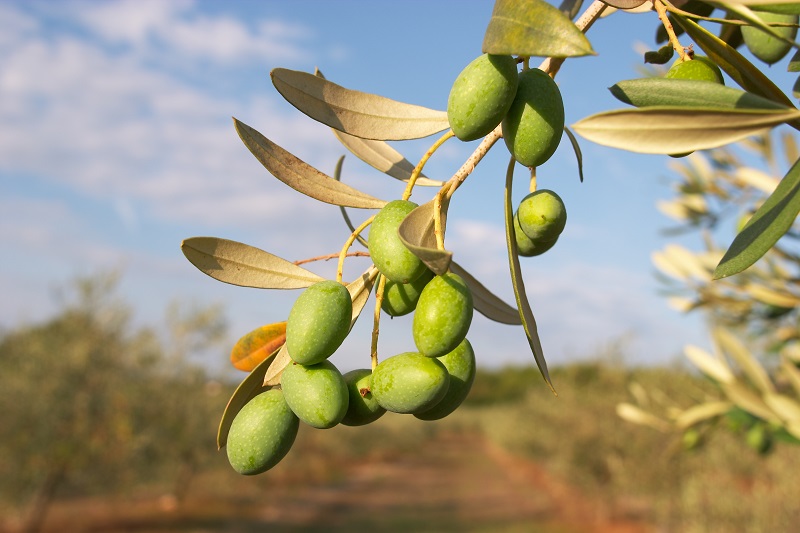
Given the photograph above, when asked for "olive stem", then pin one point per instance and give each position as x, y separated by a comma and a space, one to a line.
532, 186
673, 39
418, 169
347, 244
470, 164
437, 220
329, 257
376, 321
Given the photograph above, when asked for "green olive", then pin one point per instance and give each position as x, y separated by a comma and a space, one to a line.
443, 315
409, 383
261, 433
534, 123
387, 251
460, 365
362, 408
542, 215
318, 322
481, 95
527, 247
317, 394
766, 47
699, 68
401, 298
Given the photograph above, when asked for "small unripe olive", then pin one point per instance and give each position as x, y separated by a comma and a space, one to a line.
759, 439
362, 408
401, 298
700, 68
764, 46
317, 394
542, 215
460, 365
387, 251
409, 382
534, 123
318, 322
481, 95
261, 433
443, 315
527, 247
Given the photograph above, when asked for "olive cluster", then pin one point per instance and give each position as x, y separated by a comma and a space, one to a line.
429, 383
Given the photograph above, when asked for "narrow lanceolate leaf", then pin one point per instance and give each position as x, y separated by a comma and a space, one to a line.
784, 406
361, 114
381, 156
769, 223
359, 291
702, 412
746, 361
337, 175
647, 92
577, 148
749, 401
525, 312
301, 176
418, 234
712, 367
742, 12
248, 389
272, 376
251, 349
671, 130
533, 28
485, 301
788, 7
742, 71
632, 413
240, 264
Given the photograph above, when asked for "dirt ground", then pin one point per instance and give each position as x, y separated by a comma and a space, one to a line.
456, 482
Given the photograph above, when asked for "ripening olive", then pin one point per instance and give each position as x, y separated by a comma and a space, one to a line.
699, 68
409, 383
443, 315
542, 215
317, 394
261, 433
363, 408
533, 125
481, 95
766, 47
387, 251
401, 298
318, 322
460, 365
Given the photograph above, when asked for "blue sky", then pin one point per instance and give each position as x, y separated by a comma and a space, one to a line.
117, 143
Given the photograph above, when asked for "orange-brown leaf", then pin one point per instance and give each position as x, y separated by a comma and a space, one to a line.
257, 345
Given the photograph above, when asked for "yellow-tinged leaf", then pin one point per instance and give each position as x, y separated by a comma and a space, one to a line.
738, 352
699, 413
785, 407
757, 179
486, 302
253, 348
749, 401
709, 365
243, 265
672, 129
272, 376
301, 176
361, 114
771, 297
631, 413
792, 373
248, 389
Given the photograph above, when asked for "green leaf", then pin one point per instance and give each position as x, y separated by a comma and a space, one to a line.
647, 92
674, 130
361, 114
485, 301
417, 233
794, 63
243, 265
301, 176
381, 156
248, 389
525, 312
533, 28
742, 71
576, 147
787, 8
769, 223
